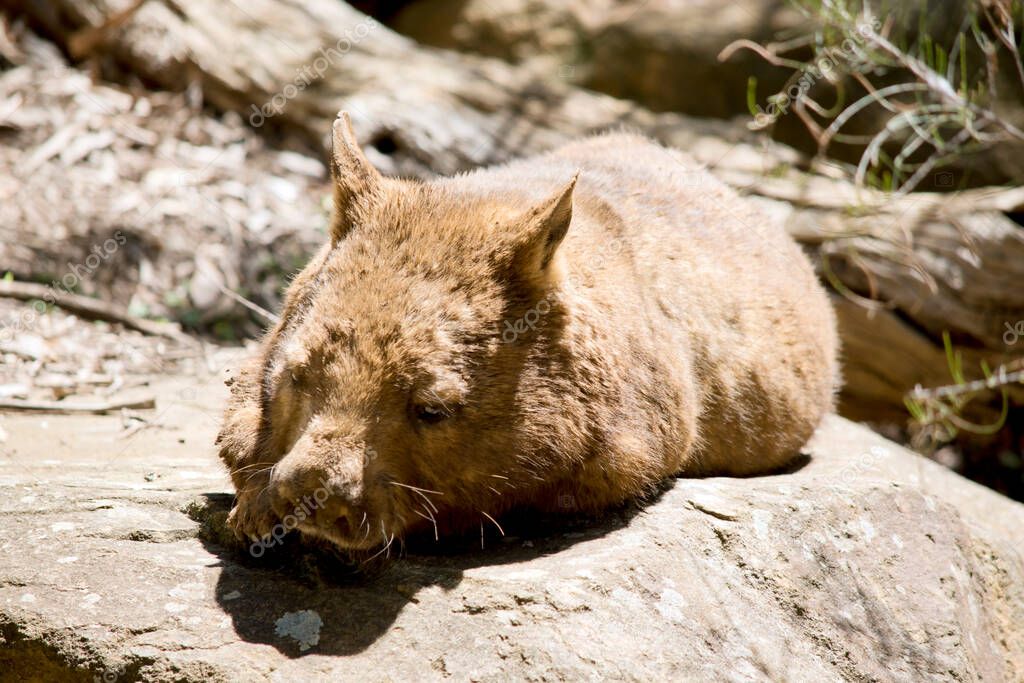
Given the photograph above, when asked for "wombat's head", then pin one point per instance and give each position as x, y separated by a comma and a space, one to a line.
407, 382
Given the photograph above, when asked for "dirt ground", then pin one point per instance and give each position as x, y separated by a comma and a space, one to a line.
92, 365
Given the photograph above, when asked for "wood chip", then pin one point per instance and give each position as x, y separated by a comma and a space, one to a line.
84, 145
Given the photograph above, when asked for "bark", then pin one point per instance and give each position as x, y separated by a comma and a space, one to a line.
668, 55
905, 269
662, 54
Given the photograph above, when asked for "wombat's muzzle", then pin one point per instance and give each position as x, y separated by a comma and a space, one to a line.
315, 498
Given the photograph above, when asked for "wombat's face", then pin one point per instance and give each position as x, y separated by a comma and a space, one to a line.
390, 394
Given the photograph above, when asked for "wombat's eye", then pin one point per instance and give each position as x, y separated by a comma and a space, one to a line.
431, 414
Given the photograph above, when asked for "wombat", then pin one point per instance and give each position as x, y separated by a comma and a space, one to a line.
562, 333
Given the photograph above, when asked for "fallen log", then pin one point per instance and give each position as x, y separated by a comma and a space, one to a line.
667, 55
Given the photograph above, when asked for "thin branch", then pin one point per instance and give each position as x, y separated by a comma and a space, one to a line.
68, 408
862, 104
252, 306
999, 379
88, 307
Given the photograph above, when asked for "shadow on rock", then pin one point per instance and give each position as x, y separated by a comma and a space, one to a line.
302, 597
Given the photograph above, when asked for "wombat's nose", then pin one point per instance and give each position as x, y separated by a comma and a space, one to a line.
321, 505
343, 525
290, 489
302, 492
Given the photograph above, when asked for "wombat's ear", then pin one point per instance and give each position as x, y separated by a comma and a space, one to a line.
352, 173
545, 227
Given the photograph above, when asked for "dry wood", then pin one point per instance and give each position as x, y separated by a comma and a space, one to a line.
89, 308
69, 408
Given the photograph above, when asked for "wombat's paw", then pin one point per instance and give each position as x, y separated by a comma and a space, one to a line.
252, 518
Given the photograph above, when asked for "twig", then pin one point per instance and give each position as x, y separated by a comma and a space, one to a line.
927, 76
999, 379
934, 159
90, 308
863, 102
85, 41
1004, 32
766, 53
62, 407
936, 83
252, 306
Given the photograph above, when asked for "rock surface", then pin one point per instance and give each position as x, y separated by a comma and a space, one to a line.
865, 563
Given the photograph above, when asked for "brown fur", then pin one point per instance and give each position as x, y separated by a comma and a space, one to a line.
671, 331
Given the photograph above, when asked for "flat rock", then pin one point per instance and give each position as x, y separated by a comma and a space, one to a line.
866, 562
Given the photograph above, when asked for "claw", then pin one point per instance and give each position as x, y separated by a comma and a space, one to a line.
251, 518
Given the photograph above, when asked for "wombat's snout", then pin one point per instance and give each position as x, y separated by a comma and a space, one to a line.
318, 495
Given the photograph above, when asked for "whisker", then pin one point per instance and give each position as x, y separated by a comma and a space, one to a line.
416, 488
384, 533
381, 551
430, 503
263, 490
270, 478
431, 518
256, 474
424, 496
493, 520
421, 492
243, 468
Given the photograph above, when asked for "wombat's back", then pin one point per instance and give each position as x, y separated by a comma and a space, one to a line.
683, 270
